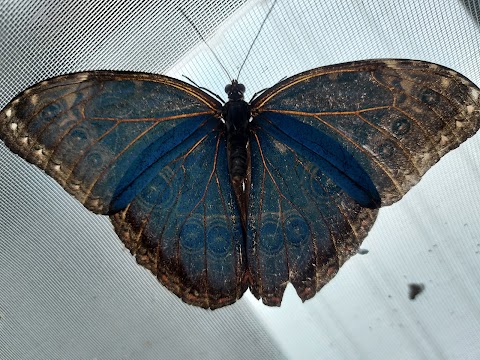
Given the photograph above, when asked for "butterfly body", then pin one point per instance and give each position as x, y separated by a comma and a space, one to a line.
284, 191
236, 114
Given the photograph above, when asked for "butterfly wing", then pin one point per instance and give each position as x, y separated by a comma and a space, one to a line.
332, 144
185, 227
151, 145
96, 132
302, 226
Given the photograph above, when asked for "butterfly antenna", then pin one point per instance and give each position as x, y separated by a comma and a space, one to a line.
203, 39
256, 37
204, 89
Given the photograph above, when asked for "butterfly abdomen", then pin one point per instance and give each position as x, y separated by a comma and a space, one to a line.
238, 157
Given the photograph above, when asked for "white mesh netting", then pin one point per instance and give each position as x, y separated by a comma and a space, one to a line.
68, 289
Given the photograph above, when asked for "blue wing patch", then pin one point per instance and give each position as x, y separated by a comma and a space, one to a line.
324, 152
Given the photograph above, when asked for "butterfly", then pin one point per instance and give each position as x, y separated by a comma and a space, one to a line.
216, 198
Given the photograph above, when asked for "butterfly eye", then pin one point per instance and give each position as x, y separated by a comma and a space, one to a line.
235, 90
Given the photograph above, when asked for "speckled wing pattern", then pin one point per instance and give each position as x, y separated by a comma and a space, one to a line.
328, 147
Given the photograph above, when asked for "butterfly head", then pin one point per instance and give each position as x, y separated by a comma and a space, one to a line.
235, 91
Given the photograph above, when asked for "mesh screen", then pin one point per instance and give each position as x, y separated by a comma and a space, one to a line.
69, 289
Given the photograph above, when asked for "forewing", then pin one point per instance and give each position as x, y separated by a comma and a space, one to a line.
397, 118
103, 135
